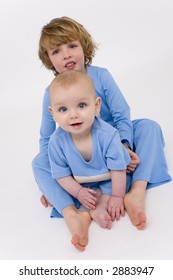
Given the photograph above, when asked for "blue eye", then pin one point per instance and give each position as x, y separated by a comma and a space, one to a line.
62, 109
82, 105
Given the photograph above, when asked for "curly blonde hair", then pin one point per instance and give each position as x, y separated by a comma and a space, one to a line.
62, 31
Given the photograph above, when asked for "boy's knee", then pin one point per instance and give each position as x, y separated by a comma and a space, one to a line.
41, 162
147, 126
34, 162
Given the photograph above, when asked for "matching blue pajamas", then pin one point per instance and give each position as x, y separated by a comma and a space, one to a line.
143, 136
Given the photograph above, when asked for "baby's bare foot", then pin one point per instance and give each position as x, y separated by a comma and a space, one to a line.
101, 217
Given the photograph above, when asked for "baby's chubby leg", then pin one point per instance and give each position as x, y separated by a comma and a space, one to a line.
100, 214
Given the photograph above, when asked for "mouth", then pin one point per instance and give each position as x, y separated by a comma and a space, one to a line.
76, 125
70, 65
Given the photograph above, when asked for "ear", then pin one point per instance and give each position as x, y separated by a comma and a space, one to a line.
97, 106
51, 110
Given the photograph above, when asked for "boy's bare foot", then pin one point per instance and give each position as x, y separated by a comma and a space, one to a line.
78, 224
100, 214
44, 201
134, 202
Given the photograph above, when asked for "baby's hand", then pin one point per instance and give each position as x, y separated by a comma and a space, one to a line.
116, 207
87, 198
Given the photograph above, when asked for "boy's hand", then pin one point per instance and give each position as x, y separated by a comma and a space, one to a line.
116, 207
87, 198
134, 161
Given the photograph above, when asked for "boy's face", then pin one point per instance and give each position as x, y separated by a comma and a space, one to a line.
68, 56
74, 107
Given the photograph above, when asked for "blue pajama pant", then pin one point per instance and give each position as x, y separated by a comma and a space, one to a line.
148, 145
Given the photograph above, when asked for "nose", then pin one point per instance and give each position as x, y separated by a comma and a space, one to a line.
73, 114
66, 53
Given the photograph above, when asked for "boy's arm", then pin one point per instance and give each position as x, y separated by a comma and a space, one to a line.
116, 201
118, 107
48, 124
84, 195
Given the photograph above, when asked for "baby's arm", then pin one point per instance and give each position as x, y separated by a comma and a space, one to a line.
84, 195
116, 201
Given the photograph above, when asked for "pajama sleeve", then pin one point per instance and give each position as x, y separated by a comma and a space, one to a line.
119, 108
47, 123
58, 163
117, 158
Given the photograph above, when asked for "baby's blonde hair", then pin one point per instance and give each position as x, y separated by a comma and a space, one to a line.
62, 31
69, 78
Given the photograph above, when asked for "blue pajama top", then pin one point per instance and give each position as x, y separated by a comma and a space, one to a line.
108, 153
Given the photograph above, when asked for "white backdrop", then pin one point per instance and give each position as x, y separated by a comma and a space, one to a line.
135, 43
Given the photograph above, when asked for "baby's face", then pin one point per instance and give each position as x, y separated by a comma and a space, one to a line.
74, 107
